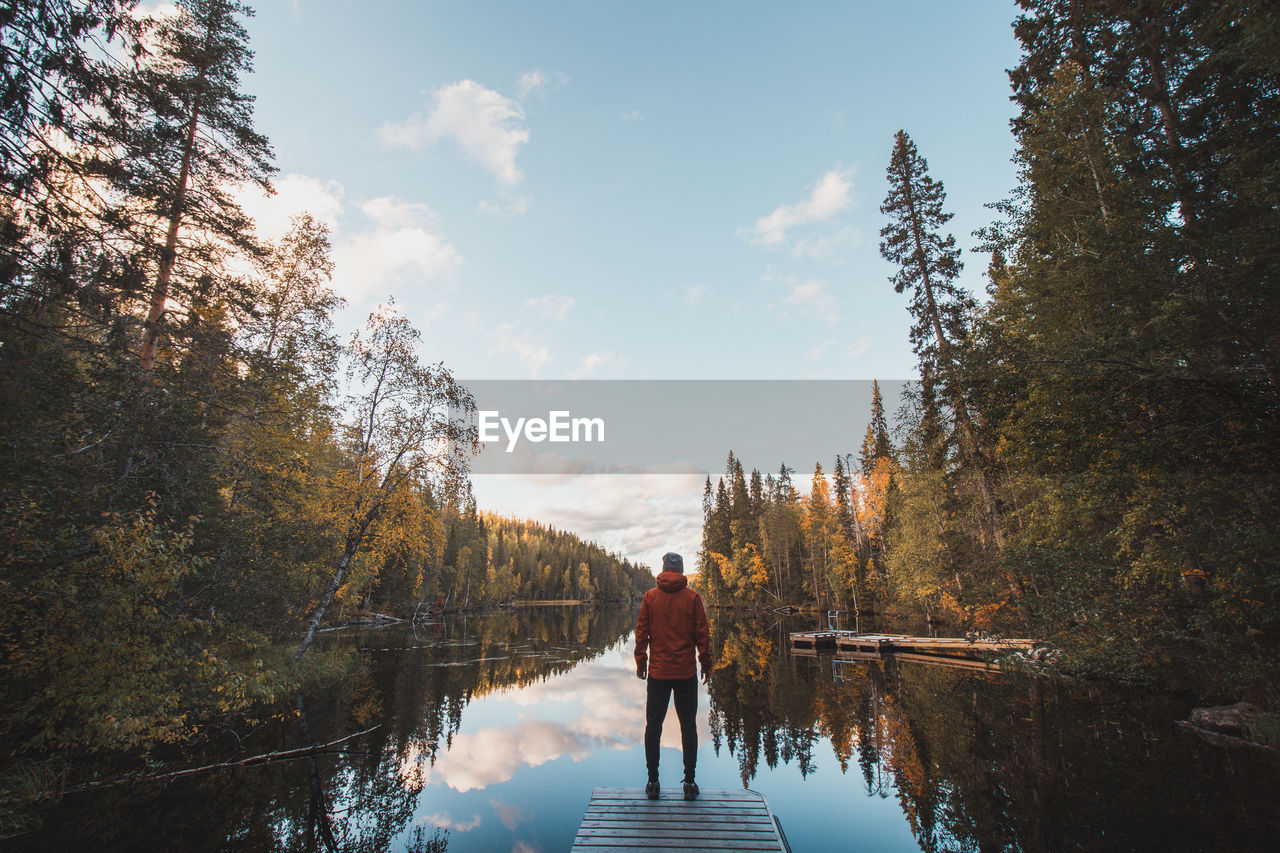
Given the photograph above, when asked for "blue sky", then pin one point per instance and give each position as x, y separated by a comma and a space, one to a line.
628, 190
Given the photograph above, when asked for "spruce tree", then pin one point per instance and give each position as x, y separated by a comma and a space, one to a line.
56, 88
928, 264
879, 424
187, 145
1132, 333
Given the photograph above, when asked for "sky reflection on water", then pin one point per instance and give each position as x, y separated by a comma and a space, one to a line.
497, 727
519, 772
526, 758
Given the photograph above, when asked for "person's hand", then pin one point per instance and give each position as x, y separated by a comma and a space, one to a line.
641, 671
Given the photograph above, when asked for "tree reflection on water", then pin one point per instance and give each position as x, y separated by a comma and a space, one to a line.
975, 761
991, 761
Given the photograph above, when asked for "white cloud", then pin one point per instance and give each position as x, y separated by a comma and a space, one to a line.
391, 212
485, 124
493, 755
390, 256
632, 115
513, 340
400, 246
641, 516
511, 816
444, 821
818, 351
594, 364
858, 347
517, 206
609, 695
831, 194
695, 293
295, 194
538, 81
552, 306
813, 296
826, 247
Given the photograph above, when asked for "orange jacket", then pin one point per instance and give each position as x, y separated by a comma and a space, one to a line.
673, 623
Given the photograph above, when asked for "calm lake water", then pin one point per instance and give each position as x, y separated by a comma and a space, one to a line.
496, 727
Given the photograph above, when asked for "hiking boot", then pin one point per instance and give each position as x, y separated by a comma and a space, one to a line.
691, 790
651, 790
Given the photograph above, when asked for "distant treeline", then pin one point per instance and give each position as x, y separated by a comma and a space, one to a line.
1090, 454
490, 559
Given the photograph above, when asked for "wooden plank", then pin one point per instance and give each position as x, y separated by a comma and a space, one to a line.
676, 805
681, 806
714, 816
952, 662
760, 816
673, 793
693, 848
611, 798
709, 843
812, 639
683, 822
624, 819
765, 825
685, 833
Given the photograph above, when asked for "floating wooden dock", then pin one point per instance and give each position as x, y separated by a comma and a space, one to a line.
857, 646
948, 661
625, 820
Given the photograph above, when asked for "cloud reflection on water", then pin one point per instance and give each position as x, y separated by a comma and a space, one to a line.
604, 702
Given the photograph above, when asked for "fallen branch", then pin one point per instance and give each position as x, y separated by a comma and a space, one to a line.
265, 758
1221, 738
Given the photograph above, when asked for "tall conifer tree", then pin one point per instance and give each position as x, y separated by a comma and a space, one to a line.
188, 145
928, 264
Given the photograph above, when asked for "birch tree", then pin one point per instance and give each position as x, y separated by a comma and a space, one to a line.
408, 424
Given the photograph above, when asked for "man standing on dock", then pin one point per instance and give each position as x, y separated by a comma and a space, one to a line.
673, 624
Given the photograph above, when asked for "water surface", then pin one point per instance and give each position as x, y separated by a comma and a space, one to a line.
495, 728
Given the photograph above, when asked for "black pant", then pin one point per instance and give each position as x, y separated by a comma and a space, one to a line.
660, 690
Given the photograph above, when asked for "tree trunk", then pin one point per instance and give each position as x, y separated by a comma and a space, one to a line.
354, 539
969, 443
160, 293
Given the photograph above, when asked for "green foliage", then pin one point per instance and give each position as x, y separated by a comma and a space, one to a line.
1115, 400
1089, 456
101, 653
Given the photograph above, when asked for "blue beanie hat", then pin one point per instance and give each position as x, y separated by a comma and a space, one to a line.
673, 562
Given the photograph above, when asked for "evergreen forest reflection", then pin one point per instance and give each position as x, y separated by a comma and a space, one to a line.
493, 728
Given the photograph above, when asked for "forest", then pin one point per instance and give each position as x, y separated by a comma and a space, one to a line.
1089, 455
197, 473
982, 760
413, 687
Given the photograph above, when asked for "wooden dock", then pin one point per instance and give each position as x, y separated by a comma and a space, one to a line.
875, 646
625, 820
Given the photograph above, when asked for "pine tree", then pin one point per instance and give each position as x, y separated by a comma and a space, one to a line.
1131, 336
820, 533
843, 487
187, 144
55, 86
881, 446
928, 264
